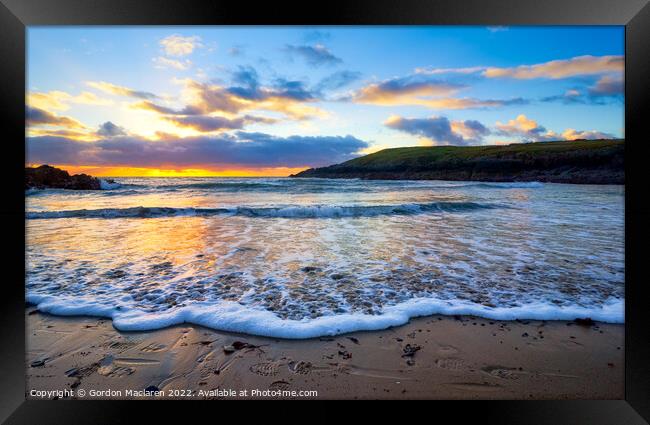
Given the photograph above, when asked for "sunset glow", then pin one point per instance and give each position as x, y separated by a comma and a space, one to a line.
212, 101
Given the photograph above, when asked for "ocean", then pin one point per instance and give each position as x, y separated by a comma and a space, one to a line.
302, 258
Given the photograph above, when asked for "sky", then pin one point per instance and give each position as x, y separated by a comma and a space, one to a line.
271, 101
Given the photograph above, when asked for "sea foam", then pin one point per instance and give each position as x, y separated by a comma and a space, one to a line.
293, 211
234, 317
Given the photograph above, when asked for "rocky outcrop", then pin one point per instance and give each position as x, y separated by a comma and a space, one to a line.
47, 177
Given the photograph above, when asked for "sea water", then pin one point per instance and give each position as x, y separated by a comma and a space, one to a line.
300, 258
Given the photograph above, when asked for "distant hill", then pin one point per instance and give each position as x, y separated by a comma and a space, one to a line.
578, 161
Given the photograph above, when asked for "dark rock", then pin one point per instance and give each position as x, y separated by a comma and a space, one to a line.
344, 354
47, 177
410, 350
38, 363
152, 389
239, 345
585, 322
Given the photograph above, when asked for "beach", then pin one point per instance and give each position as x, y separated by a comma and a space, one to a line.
435, 357
350, 288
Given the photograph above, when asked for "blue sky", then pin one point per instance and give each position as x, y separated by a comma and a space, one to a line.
309, 96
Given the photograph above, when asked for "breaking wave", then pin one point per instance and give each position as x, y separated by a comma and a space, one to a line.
310, 211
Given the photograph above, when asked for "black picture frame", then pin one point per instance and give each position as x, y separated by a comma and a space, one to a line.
16, 15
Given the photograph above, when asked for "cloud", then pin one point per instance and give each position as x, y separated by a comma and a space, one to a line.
556, 69
470, 129
290, 89
338, 80
177, 45
528, 130
287, 97
520, 126
404, 90
163, 62
607, 89
424, 91
568, 97
471, 103
60, 101
146, 105
571, 134
608, 85
241, 149
108, 129
238, 50
214, 123
120, 90
316, 55
246, 76
70, 134
36, 116
440, 130
438, 71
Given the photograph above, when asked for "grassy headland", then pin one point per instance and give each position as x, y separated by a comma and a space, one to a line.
579, 161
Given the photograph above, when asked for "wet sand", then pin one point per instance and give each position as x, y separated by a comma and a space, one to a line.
436, 357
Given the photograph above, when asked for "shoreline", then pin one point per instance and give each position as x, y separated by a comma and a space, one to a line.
438, 357
219, 318
537, 179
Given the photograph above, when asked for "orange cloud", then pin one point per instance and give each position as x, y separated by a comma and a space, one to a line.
69, 134
205, 99
60, 101
579, 65
413, 93
530, 130
414, 90
520, 124
571, 134
41, 117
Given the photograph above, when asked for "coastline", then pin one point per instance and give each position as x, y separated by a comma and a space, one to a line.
575, 162
458, 357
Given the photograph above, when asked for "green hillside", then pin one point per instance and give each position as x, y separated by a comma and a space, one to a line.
580, 161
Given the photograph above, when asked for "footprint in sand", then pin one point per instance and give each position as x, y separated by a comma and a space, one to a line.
475, 386
571, 344
265, 369
115, 371
450, 364
447, 350
120, 345
82, 372
502, 372
302, 368
279, 386
108, 368
153, 348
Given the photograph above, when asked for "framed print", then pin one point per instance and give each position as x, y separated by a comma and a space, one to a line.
436, 201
